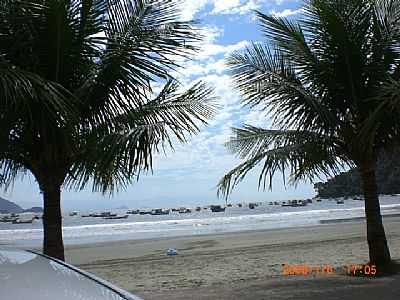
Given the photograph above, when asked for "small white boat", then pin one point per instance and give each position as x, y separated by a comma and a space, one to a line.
184, 210
116, 217
19, 221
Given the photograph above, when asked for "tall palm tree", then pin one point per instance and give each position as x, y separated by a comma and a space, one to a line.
330, 84
77, 98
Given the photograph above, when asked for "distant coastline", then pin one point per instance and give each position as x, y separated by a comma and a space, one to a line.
8, 207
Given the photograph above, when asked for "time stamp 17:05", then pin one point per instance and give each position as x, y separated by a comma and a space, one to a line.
304, 269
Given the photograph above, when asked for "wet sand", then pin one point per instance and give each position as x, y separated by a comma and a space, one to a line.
245, 265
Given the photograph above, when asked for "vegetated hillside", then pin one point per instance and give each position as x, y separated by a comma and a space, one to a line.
34, 209
349, 183
9, 207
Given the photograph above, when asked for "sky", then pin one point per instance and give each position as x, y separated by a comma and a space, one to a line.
188, 176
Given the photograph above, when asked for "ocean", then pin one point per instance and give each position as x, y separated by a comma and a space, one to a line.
77, 230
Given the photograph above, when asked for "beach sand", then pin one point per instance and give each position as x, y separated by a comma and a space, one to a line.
245, 265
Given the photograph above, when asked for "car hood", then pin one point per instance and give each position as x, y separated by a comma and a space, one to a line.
28, 275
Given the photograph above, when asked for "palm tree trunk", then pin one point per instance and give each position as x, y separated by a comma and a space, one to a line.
378, 249
52, 222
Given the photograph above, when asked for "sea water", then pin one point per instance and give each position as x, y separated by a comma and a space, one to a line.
77, 229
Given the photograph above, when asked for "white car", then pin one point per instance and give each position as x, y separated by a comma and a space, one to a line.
27, 275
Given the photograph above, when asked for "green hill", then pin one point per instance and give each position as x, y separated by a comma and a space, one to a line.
9, 207
349, 183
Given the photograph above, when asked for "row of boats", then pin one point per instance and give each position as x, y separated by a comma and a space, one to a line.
18, 219
154, 212
185, 210
26, 219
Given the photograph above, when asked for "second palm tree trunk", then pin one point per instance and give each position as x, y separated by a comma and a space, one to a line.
378, 249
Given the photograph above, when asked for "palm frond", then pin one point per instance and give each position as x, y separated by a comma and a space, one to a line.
127, 148
380, 128
303, 154
144, 41
267, 77
22, 91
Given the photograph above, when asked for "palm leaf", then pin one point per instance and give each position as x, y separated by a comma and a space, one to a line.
269, 78
126, 149
302, 154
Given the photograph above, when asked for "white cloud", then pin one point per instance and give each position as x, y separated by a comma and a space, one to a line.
191, 7
286, 13
211, 56
235, 6
257, 118
225, 5
215, 49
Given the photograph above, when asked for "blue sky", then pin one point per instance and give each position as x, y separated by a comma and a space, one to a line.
188, 175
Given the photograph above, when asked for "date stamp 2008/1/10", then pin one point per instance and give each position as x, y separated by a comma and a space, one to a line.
304, 270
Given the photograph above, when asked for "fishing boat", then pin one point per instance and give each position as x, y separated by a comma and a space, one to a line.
132, 212
298, 203
198, 208
7, 219
73, 213
217, 208
340, 201
184, 210
159, 211
19, 221
252, 205
295, 203
116, 217
145, 212
105, 214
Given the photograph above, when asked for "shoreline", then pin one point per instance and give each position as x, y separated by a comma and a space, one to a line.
102, 239
231, 235
217, 265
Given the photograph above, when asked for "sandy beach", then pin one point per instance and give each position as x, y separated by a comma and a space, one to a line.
245, 265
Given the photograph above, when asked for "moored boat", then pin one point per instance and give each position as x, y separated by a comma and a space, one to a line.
295, 203
159, 211
116, 217
184, 210
105, 214
8, 219
252, 205
19, 221
217, 208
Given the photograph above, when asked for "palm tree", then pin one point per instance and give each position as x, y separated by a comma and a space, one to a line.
77, 98
330, 84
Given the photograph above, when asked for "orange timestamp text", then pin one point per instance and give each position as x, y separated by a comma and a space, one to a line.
305, 269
